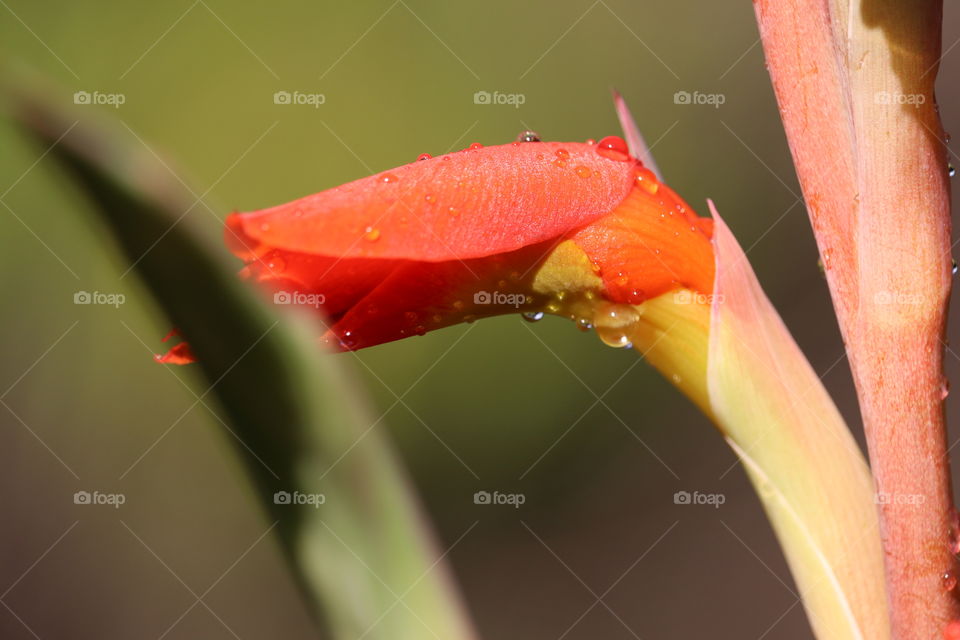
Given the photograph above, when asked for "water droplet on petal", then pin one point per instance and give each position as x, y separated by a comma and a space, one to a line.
424, 156
533, 316
453, 211
584, 172
388, 178
615, 322
371, 234
949, 581
951, 170
591, 141
563, 154
430, 198
528, 136
613, 148
277, 264
474, 146
646, 180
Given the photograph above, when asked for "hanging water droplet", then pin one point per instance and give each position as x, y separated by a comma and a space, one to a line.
528, 136
953, 266
951, 170
944, 389
533, 316
584, 324
822, 268
615, 322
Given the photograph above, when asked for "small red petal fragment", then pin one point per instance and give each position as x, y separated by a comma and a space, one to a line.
178, 354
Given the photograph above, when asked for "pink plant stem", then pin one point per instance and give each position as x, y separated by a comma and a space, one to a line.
855, 87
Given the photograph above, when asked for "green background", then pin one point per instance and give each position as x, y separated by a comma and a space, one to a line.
595, 441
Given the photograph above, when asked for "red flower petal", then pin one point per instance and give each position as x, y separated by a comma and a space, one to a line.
417, 248
459, 206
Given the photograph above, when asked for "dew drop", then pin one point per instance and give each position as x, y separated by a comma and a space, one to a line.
949, 581
944, 389
371, 234
277, 264
453, 211
430, 198
474, 146
646, 180
528, 136
584, 172
613, 148
615, 322
591, 141
563, 154
951, 170
420, 330
533, 316
583, 324
424, 156
953, 266
388, 178
676, 378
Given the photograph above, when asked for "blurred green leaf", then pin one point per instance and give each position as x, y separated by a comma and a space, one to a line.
364, 557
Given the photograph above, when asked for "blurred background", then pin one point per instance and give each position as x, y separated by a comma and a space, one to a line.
597, 443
